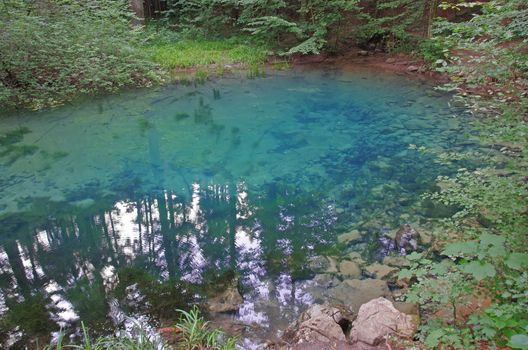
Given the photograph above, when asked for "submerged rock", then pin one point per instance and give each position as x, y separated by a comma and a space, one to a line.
228, 301
356, 257
353, 292
379, 318
348, 237
349, 269
406, 239
380, 271
395, 261
324, 264
320, 323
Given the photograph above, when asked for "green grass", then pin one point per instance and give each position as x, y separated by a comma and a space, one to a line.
195, 334
196, 54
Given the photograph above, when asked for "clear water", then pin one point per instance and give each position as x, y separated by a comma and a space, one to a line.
187, 185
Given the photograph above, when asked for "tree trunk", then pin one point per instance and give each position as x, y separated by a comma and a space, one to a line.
139, 12
430, 17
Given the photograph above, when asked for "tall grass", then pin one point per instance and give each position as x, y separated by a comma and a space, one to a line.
140, 340
195, 334
201, 53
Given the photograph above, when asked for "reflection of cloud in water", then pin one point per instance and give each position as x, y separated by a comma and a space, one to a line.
7, 274
61, 311
192, 259
167, 237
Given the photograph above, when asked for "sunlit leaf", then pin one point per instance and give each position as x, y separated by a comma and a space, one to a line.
479, 269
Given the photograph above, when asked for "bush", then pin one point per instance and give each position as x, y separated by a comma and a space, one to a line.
50, 53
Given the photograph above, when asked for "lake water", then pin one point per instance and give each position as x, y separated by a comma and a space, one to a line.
150, 200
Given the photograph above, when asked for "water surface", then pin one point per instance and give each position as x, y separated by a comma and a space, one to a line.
142, 202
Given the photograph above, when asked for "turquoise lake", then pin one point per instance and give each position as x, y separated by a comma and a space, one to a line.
150, 200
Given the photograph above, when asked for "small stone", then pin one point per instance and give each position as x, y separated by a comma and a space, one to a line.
413, 69
348, 237
363, 53
350, 269
356, 257
395, 261
425, 237
332, 267
339, 210
390, 60
407, 239
326, 280
323, 264
381, 271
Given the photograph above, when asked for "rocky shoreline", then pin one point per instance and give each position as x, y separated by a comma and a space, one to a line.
357, 305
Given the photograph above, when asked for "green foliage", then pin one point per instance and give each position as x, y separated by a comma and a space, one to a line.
139, 340
293, 27
486, 245
396, 25
31, 316
52, 51
198, 53
196, 333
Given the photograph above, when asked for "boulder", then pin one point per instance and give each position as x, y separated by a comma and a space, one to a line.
379, 318
353, 292
380, 271
348, 237
406, 239
227, 301
320, 323
349, 269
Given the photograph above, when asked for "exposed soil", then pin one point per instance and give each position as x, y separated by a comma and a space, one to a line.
391, 63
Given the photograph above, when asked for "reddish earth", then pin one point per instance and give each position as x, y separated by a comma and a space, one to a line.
390, 63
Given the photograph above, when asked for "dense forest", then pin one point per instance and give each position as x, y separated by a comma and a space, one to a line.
471, 283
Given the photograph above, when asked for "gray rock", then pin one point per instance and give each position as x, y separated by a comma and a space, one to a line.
228, 301
353, 292
323, 264
317, 324
363, 53
406, 239
349, 269
413, 69
380, 271
379, 318
395, 261
390, 60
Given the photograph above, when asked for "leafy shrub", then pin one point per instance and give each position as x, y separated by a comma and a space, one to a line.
52, 51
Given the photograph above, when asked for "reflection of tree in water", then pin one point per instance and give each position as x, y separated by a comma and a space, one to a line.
76, 261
